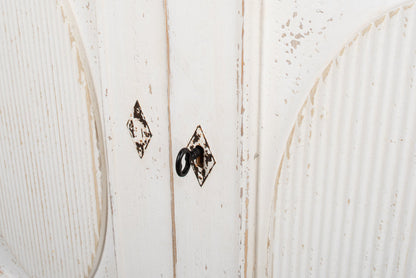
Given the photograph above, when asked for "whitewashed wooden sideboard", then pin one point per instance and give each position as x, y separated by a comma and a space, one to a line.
304, 112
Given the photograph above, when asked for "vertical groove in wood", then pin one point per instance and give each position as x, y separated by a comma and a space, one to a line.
52, 177
172, 185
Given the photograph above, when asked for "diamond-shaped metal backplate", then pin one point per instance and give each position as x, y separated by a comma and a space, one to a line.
204, 169
139, 129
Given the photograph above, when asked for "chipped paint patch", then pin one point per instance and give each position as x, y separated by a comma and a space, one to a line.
393, 13
326, 71
201, 168
379, 21
366, 29
139, 129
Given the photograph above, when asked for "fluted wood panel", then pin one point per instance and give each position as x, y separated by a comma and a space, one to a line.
346, 186
52, 166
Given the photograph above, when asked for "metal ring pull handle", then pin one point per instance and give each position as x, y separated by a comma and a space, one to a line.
180, 170
189, 155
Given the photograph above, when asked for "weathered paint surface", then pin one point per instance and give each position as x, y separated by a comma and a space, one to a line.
242, 70
342, 192
135, 68
337, 205
206, 88
54, 180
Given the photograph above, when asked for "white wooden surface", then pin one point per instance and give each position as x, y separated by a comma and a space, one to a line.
320, 212
167, 225
141, 193
54, 176
309, 180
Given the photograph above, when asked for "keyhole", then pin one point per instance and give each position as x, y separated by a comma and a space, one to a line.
199, 161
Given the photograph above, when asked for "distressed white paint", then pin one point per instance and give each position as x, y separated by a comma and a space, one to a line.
207, 93
242, 70
54, 175
327, 185
343, 191
165, 225
141, 197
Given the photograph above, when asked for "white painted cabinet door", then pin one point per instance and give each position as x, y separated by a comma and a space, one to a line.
307, 108
336, 191
54, 216
182, 61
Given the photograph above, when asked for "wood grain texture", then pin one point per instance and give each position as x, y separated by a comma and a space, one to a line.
134, 68
341, 200
206, 64
54, 184
242, 71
